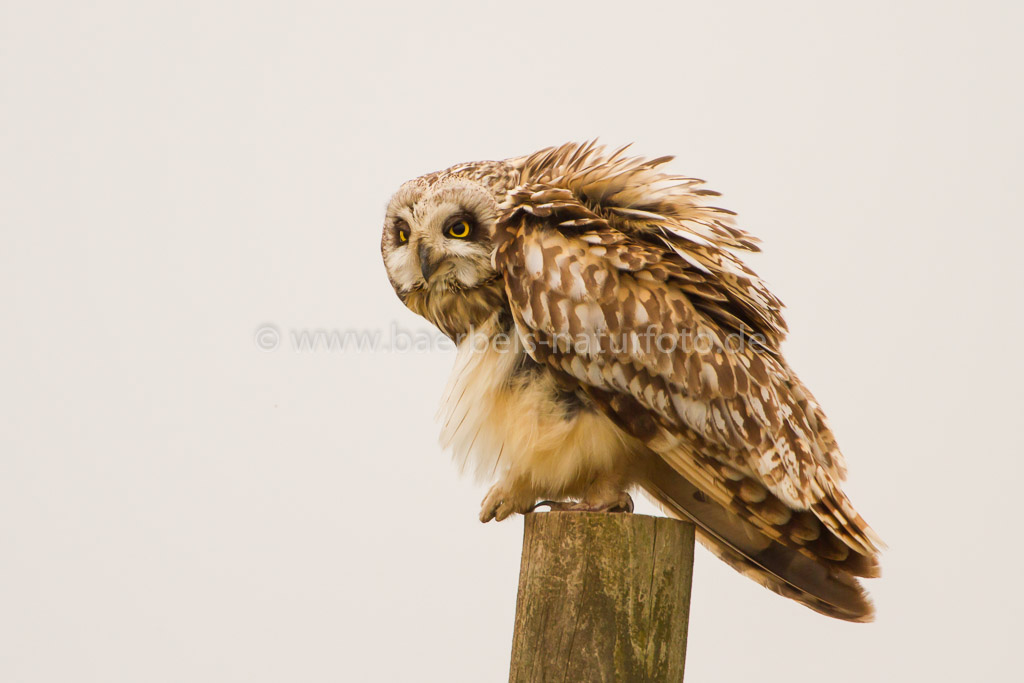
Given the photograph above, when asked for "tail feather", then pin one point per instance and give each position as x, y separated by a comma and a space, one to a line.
782, 569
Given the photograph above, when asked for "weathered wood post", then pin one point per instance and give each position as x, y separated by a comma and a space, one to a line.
602, 597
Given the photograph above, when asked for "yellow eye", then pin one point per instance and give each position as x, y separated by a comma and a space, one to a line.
460, 230
402, 236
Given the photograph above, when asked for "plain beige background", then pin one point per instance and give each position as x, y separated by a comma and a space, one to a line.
177, 504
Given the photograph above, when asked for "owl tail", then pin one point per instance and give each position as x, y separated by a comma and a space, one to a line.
786, 571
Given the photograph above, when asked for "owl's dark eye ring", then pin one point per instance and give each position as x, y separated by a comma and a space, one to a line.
460, 228
402, 232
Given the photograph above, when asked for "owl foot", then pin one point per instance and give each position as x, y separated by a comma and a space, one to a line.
622, 503
500, 503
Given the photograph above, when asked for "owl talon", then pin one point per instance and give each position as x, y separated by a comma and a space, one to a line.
624, 503
562, 506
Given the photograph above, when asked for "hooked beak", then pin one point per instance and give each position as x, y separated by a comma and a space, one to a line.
427, 264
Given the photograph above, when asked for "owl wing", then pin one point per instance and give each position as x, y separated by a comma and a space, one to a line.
620, 280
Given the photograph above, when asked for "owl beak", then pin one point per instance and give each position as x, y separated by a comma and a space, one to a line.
427, 264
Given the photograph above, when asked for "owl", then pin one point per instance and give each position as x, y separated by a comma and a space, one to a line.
609, 339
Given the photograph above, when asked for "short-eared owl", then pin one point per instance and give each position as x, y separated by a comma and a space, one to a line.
609, 338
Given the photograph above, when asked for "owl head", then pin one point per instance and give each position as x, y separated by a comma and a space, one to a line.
438, 240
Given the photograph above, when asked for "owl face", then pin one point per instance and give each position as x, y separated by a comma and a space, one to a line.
438, 236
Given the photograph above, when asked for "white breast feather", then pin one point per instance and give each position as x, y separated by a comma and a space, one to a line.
494, 426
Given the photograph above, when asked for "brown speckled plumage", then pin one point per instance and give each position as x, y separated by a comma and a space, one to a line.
620, 287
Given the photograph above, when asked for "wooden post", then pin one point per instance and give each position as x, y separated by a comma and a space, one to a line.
602, 597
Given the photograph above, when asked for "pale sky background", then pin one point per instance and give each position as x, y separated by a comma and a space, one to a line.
178, 505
